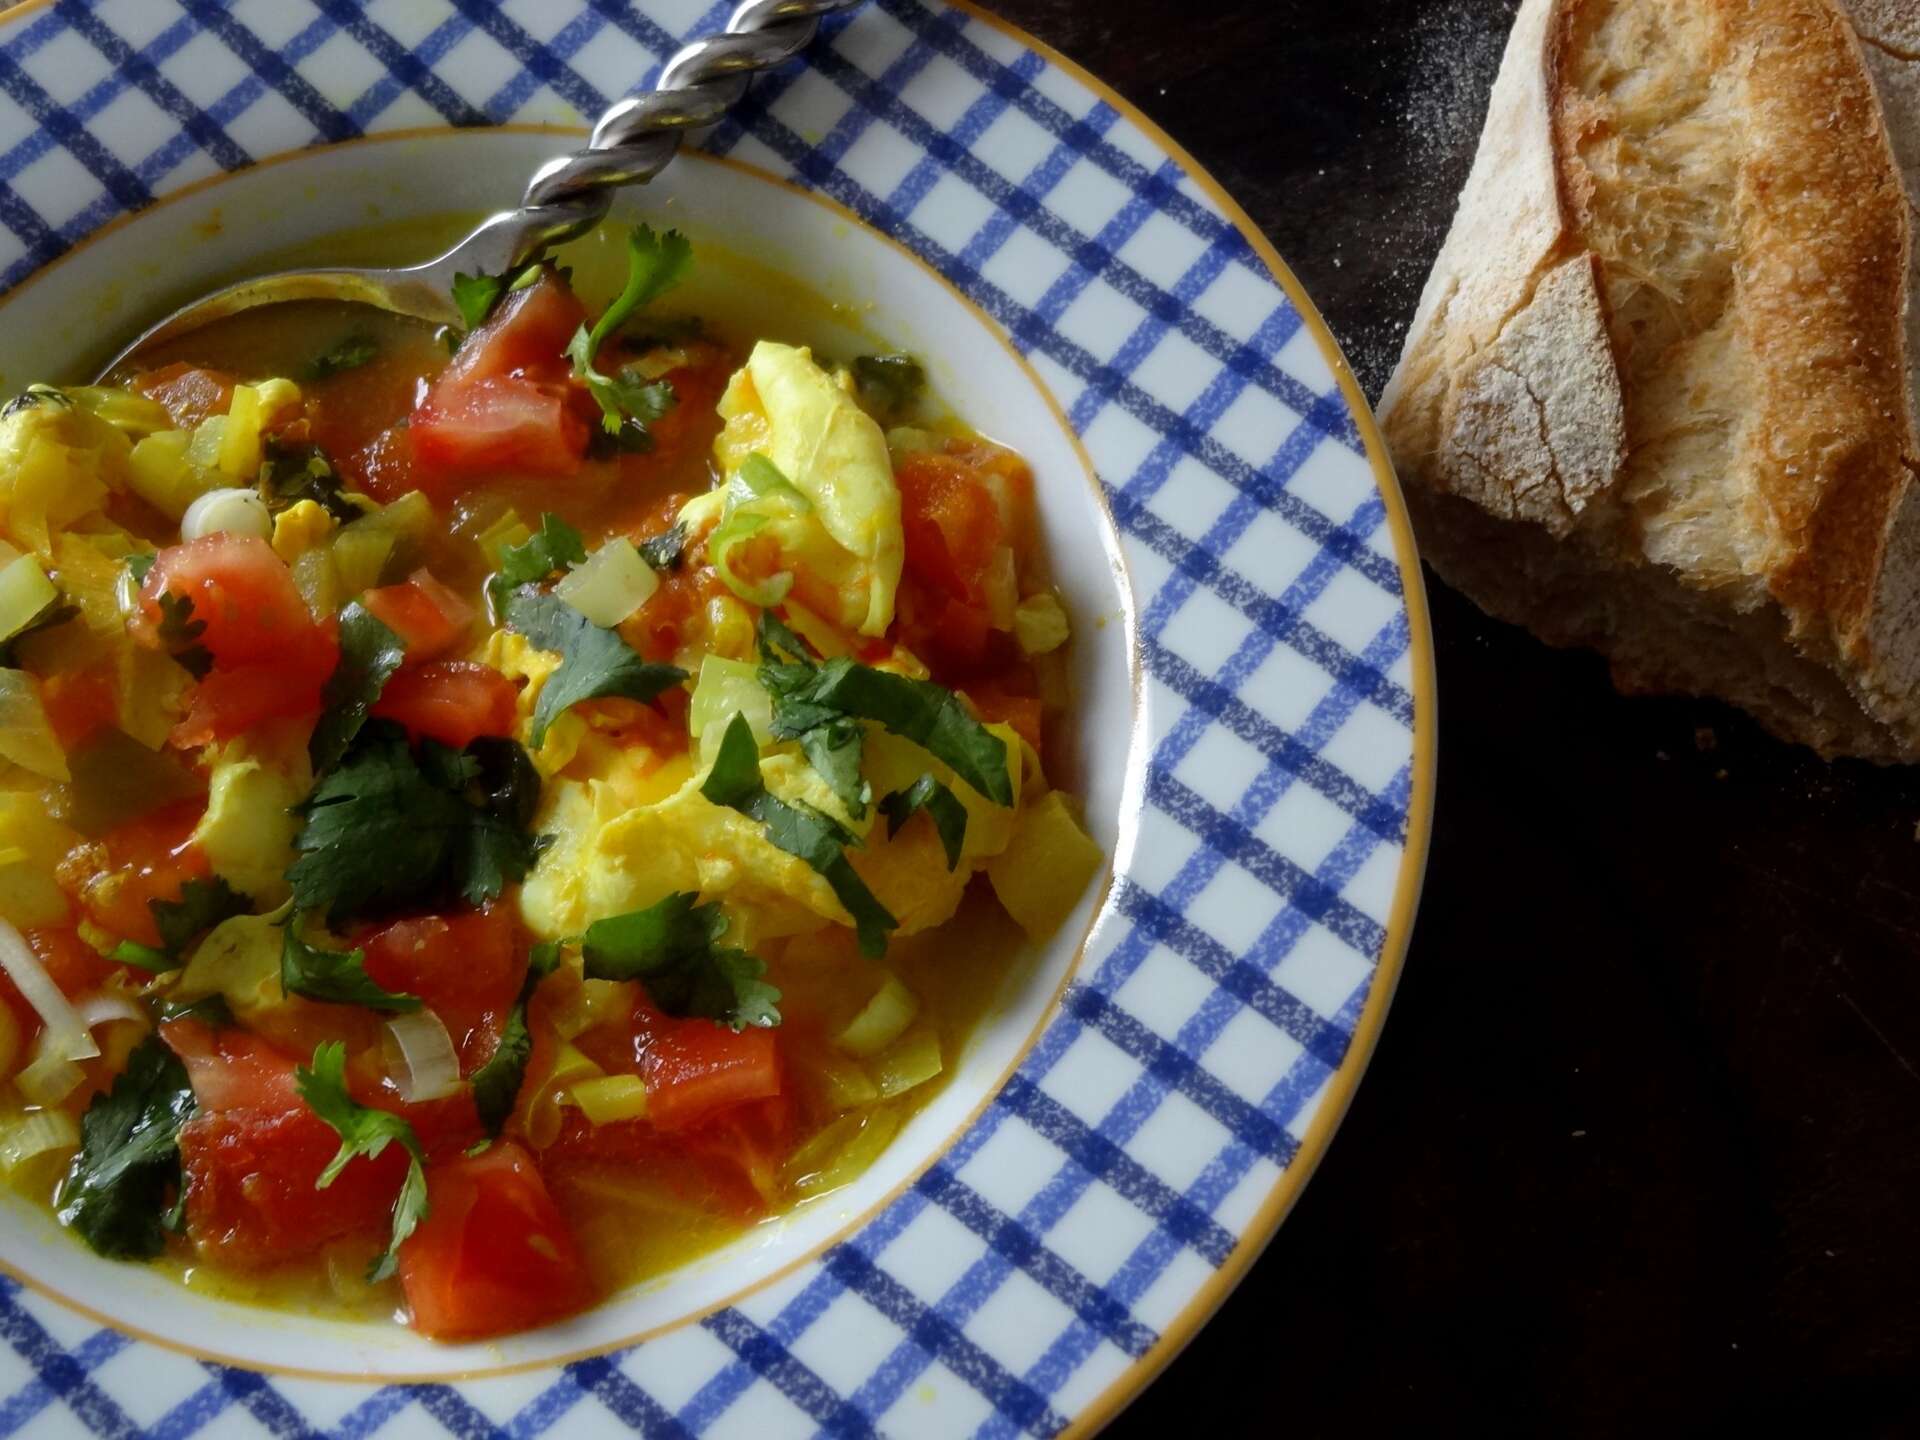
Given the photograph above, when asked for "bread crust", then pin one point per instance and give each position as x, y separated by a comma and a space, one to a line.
1669, 333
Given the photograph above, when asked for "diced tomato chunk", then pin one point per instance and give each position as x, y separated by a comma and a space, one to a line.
452, 701
691, 1067
79, 702
494, 1253
143, 860
253, 1152
240, 591
428, 617
506, 403
952, 524
529, 331
466, 968
269, 657
383, 467
189, 393
505, 424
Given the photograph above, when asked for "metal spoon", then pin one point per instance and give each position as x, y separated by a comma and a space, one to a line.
567, 196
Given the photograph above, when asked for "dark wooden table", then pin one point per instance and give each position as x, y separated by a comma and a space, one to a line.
1640, 1147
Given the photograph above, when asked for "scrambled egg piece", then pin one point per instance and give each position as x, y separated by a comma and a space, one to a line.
784, 406
253, 783
57, 464
609, 858
299, 528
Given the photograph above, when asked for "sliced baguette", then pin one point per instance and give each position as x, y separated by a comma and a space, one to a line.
1658, 396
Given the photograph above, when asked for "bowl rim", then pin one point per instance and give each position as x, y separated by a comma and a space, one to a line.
1260, 1228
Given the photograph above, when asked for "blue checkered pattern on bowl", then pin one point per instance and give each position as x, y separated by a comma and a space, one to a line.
1124, 1164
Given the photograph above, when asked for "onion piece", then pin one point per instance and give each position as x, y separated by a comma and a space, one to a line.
48, 1079
106, 1007
231, 509
420, 1057
884, 1020
66, 1036
912, 1060
36, 1134
610, 1098
611, 584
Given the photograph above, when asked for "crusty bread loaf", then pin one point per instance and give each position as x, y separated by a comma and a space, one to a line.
1658, 396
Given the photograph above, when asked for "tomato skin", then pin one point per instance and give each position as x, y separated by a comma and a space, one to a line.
231, 701
494, 1253
428, 617
188, 393
253, 1152
691, 1067
452, 701
466, 968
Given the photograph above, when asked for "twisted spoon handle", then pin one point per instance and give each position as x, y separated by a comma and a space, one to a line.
637, 137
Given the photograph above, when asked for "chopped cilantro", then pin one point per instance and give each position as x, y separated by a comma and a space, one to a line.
556, 547
821, 841
292, 473
369, 654
386, 827
888, 384
673, 949
180, 635
831, 741
594, 662
476, 295
139, 563
807, 697
338, 977
202, 905
350, 354
366, 1131
662, 552
121, 1184
496, 1084
949, 816
655, 264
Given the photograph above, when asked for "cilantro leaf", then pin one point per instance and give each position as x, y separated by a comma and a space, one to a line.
349, 354
180, 635
831, 742
202, 905
556, 546
949, 816
369, 654
139, 563
120, 1184
662, 552
673, 949
366, 1131
292, 473
476, 295
918, 710
386, 827
655, 264
888, 384
496, 1084
594, 662
338, 977
821, 841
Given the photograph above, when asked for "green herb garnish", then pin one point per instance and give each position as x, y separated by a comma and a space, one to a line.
820, 840
369, 654
556, 547
338, 977
366, 1131
655, 264
888, 384
292, 473
942, 806
350, 354
388, 826
202, 905
118, 1190
673, 949
594, 662
496, 1084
